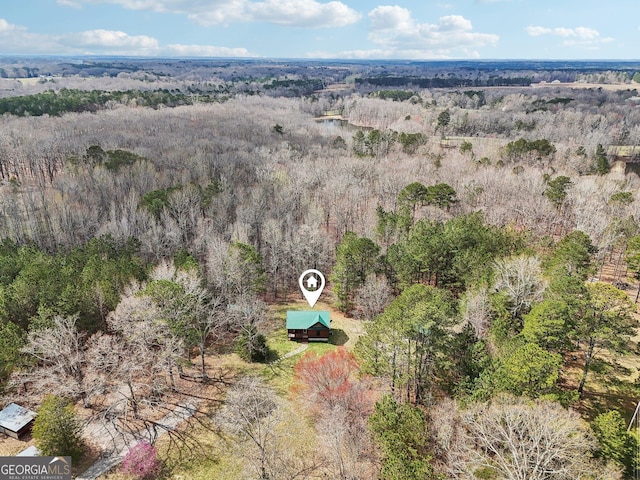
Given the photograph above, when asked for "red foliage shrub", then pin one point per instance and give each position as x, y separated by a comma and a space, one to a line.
141, 462
331, 381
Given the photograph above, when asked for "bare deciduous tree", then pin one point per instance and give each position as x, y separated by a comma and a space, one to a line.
477, 311
152, 349
515, 438
61, 360
252, 413
348, 443
192, 311
373, 297
520, 279
203, 313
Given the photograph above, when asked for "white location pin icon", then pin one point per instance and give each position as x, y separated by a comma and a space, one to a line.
314, 281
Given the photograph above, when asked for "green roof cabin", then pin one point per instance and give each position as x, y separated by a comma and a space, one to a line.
309, 326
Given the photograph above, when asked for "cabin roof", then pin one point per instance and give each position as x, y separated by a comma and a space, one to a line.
14, 417
305, 319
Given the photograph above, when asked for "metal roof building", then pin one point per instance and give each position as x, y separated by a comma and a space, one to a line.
309, 326
16, 420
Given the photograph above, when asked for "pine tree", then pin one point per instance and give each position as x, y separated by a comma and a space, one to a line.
601, 162
56, 429
400, 431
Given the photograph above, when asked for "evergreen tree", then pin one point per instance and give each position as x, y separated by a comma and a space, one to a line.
441, 195
556, 190
252, 345
608, 324
356, 258
616, 443
56, 429
547, 325
11, 340
410, 341
444, 118
600, 161
411, 197
400, 432
572, 256
528, 370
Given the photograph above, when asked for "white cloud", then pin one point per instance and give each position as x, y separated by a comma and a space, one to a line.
578, 36
6, 27
398, 35
537, 31
17, 39
303, 13
390, 18
585, 33
70, 3
452, 23
110, 42
394, 28
298, 13
563, 32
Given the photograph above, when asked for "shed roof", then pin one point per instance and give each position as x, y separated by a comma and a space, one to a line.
14, 417
307, 318
31, 451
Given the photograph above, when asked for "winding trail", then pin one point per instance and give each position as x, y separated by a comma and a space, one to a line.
298, 350
117, 447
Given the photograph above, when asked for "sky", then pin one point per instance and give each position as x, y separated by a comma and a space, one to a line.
325, 29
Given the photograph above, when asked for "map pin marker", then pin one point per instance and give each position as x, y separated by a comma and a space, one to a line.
314, 281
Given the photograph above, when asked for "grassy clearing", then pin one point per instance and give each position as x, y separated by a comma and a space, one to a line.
10, 446
612, 382
346, 331
280, 374
216, 458
220, 458
279, 343
609, 387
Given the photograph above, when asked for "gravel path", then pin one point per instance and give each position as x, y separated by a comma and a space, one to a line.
298, 350
116, 450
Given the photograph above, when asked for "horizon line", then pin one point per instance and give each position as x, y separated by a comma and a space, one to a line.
312, 59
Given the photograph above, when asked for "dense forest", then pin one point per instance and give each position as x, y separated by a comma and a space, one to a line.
480, 228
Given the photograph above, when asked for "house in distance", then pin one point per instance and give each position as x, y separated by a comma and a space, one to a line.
309, 326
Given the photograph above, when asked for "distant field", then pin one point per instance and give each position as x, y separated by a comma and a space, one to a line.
28, 81
578, 85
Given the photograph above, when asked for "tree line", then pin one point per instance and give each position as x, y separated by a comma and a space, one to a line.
65, 100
